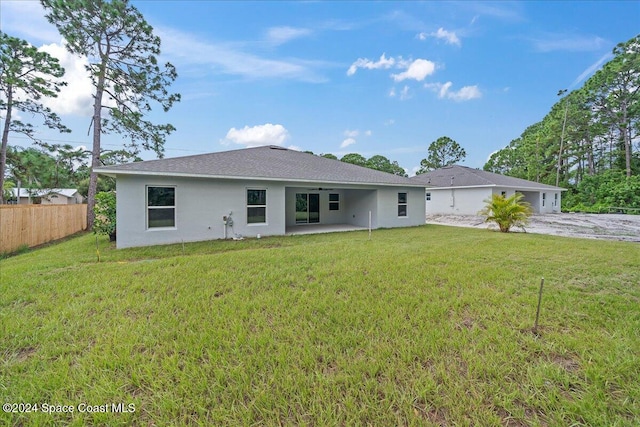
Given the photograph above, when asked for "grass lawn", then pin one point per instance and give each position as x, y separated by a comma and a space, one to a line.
419, 326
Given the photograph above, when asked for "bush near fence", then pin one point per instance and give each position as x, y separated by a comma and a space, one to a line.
33, 225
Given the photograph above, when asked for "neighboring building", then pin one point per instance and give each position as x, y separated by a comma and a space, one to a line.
46, 196
254, 191
462, 191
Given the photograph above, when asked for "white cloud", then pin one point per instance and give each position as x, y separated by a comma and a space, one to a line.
77, 97
404, 93
466, 93
504, 11
417, 70
552, 42
592, 68
26, 19
186, 50
444, 89
267, 134
449, 37
351, 136
347, 142
383, 63
281, 35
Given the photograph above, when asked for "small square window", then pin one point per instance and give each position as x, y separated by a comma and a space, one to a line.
428, 197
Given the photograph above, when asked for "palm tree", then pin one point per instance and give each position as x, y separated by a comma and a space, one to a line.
507, 212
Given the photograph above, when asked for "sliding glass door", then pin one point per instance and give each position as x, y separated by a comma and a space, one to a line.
307, 208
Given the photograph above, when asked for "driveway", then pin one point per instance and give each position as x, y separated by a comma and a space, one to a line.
590, 226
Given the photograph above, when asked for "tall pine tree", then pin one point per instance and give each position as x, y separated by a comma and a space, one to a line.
122, 52
26, 76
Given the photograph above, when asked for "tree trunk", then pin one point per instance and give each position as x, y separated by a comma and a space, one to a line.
5, 140
564, 124
627, 139
591, 168
95, 151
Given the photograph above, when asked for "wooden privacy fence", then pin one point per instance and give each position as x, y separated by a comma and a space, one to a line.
34, 225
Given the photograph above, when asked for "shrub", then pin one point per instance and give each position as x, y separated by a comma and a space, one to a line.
105, 211
507, 212
596, 193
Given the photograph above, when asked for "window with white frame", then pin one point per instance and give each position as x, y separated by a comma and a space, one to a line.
555, 199
402, 204
334, 201
428, 197
256, 206
544, 198
161, 207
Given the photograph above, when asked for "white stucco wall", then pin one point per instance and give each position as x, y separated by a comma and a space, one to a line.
388, 207
200, 206
456, 201
53, 199
468, 201
550, 204
202, 203
360, 202
542, 201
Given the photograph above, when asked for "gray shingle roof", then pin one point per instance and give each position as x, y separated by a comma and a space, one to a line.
270, 163
462, 176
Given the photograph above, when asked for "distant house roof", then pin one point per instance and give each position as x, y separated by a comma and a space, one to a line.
462, 176
271, 163
40, 192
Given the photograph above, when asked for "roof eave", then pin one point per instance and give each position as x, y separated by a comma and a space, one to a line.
497, 185
114, 172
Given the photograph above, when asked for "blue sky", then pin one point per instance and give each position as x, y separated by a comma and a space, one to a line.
339, 77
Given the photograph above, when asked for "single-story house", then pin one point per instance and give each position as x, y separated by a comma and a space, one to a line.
46, 196
462, 191
263, 191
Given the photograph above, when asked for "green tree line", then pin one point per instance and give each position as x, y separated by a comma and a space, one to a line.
589, 142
